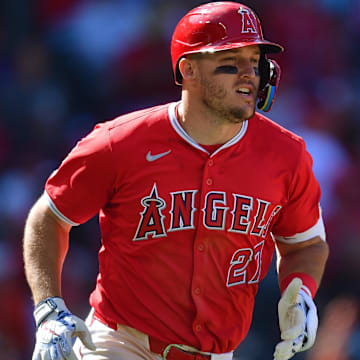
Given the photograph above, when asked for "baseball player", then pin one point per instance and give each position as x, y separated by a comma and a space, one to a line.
193, 198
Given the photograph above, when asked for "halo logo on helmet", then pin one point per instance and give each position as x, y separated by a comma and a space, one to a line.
220, 26
247, 24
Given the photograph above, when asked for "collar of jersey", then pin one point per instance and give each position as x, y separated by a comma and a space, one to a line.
179, 129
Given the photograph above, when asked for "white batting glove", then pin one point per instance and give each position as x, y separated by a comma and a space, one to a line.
298, 321
56, 328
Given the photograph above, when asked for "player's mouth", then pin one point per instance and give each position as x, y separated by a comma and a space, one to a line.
245, 91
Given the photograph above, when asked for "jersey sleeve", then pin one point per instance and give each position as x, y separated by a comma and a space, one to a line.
300, 218
83, 183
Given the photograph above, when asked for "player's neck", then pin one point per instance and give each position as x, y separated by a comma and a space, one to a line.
203, 126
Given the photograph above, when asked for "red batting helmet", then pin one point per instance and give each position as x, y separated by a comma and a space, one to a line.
217, 26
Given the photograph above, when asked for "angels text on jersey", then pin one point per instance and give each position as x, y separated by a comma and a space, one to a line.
214, 213
248, 216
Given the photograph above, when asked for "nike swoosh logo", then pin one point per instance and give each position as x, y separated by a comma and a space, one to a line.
151, 158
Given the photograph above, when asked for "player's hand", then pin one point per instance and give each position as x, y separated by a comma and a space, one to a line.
298, 321
56, 331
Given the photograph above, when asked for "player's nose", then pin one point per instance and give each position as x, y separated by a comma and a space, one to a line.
247, 69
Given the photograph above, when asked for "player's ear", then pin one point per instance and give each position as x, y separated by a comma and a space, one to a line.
187, 68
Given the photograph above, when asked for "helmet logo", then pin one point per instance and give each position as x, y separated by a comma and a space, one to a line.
248, 25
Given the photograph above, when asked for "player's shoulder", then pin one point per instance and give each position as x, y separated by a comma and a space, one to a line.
108, 132
271, 131
139, 118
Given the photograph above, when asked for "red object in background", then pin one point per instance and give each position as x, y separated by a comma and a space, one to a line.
51, 11
13, 319
144, 70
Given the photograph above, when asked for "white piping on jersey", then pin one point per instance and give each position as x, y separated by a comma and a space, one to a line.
179, 129
317, 230
55, 210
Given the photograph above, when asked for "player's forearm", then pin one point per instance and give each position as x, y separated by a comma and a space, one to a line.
303, 258
45, 245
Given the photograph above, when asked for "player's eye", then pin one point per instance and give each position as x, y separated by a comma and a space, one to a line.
226, 69
256, 66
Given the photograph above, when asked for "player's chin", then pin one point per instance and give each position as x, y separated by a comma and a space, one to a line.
250, 108
243, 112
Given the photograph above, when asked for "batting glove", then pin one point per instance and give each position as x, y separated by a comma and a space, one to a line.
56, 328
298, 321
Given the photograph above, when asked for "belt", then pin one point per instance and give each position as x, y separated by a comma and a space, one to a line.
174, 351
167, 351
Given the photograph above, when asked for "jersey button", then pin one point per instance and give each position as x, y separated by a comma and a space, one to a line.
211, 162
197, 291
201, 247
209, 181
198, 327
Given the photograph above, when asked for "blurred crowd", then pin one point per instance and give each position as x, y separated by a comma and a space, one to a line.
67, 64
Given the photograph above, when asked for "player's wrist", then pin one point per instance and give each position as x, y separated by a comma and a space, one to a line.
47, 307
309, 283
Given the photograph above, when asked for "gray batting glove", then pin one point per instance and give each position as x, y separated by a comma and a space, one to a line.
298, 321
56, 330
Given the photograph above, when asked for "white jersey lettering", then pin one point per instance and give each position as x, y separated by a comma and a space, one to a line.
247, 216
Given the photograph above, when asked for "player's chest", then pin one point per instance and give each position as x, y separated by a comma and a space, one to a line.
173, 193
202, 175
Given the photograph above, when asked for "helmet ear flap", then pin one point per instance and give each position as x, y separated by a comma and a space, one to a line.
269, 80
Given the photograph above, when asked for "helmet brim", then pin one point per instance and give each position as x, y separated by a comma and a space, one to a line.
266, 47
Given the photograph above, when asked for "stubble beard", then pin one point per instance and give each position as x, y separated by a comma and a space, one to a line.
213, 98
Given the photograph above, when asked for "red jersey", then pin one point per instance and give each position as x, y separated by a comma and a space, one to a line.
186, 235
